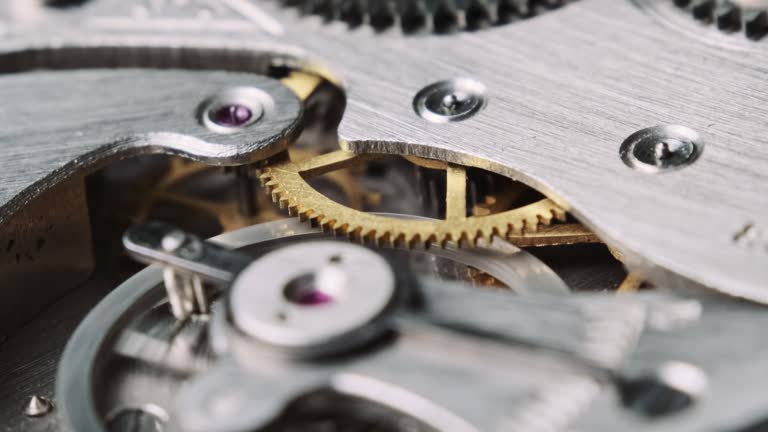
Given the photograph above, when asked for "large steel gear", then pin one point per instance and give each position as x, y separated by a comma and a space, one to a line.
287, 184
749, 16
413, 16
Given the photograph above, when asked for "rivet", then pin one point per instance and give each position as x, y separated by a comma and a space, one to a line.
661, 148
38, 406
451, 100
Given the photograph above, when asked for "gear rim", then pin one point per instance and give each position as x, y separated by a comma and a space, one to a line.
425, 16
749, 17
286, 184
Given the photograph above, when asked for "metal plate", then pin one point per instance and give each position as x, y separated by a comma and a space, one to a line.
564, 90
62, 123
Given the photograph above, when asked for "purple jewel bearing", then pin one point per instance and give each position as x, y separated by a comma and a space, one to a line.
231, 115
233, 109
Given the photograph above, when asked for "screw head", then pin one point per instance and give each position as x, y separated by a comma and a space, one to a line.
173, 240
38, 406
182, 244
661, 148
450, 100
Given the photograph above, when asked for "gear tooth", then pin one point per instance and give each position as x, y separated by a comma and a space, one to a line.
304, 215
443, 240
480, 235
756, 24
385, 240
429, 241
559, 214
413, 241
703, 10
462, 239
382, 16
364, 237
293, 207
498, 233
315, 220
728, 17
444, 19
352, 13
265, 176
328, 225
515, 229
509, 10
367, 235
341, 230
354, 234
282, 202
478, 15
530, 228
414, 16
468, 239
399, 241
531, 225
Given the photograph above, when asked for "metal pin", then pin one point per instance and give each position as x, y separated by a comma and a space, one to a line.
187, 263
38, 406
246, 196
201, 299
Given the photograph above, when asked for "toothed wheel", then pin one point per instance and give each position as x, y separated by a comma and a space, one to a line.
287, 183
413, 16
747, 16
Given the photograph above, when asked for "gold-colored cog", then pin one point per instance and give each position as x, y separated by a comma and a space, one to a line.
287, 183
227, 213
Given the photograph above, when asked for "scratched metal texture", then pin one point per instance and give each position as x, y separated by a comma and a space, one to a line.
70, 121
565, 89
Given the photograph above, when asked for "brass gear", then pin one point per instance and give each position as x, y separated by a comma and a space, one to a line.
287, 184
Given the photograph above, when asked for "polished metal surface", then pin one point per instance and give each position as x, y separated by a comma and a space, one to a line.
594, 362
309, 295
79, 406
91, 117
160, 243
450, 100
559, 132
645, 120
